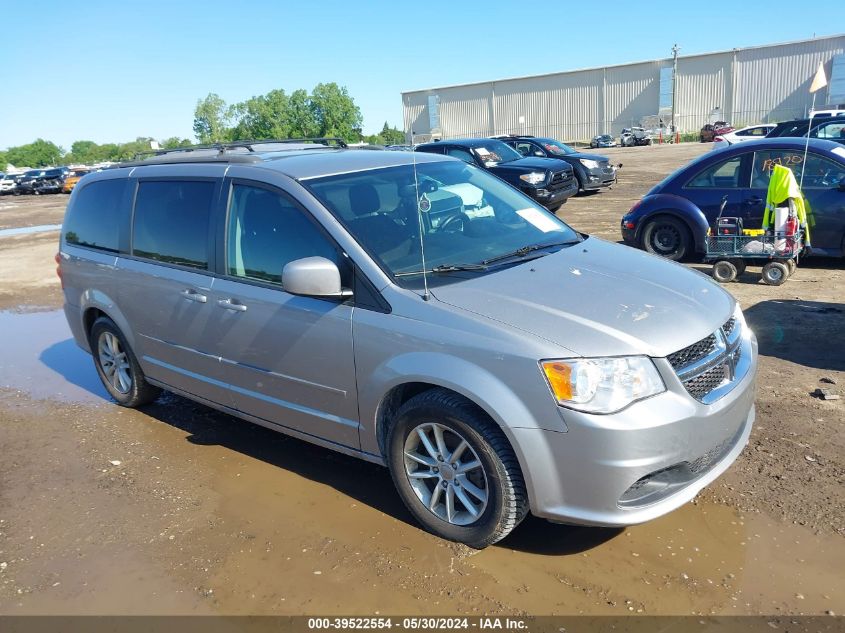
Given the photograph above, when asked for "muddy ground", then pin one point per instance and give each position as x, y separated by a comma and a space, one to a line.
179, 509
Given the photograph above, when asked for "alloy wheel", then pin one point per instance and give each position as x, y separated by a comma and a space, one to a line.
114, 362
445, 473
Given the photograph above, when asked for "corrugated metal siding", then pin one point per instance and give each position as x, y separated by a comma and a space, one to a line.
704, 84
770, 83
774, 83
632, 93
564, 105
465, 111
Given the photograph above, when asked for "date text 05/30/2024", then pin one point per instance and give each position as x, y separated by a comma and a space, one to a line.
417, 623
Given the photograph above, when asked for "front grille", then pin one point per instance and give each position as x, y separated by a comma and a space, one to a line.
709, 363
693, 353
560, 179
728, 327
706, 382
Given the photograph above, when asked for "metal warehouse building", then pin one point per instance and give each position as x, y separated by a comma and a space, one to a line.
743, 86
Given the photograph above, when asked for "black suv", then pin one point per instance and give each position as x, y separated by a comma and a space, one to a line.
549, 181
593, 171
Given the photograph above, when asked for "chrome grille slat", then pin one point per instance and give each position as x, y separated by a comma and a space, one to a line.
708, 364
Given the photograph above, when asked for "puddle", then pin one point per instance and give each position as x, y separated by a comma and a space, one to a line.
27, 230
702, 558
41, 358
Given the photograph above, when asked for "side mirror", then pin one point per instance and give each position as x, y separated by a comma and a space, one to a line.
539, 153
313, 277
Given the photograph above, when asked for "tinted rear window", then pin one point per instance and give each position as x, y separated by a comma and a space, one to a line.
171, 222
94, 217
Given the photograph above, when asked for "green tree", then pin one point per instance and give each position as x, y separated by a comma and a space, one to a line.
3, 162
391, 135
335, 112
174, 141
39, 153
303, 118
262, 117
211, 120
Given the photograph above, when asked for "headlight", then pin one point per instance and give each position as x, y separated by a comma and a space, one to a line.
589, 164
534, 178
602, 385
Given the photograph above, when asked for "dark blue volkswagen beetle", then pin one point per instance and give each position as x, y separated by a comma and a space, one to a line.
672, 219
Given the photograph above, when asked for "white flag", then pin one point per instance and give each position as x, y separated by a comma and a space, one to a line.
820, 80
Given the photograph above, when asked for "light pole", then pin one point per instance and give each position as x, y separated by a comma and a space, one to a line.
675, 49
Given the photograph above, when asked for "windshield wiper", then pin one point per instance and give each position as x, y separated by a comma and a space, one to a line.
444, 268
525, 250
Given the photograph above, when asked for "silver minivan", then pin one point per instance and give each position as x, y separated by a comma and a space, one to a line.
419, 313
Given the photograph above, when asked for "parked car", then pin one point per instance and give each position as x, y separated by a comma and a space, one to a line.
72, 180
831, 128
602, 140
39, 181
799, 127
673, 218
592, 171
711, 130
749, 133
8, 184
27, 180
497, 365
549, 181
632, 136
399, 148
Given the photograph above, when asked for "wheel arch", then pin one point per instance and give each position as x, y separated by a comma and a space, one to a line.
680, 209
415, 373
95, 304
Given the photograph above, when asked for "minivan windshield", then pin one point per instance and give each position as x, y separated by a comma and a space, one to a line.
470, 220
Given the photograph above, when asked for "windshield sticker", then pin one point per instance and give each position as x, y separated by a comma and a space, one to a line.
425, 204
482, 151
539, 219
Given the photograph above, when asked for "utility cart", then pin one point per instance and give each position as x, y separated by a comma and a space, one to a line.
777, 252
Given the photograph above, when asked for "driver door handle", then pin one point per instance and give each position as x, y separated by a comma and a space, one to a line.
192, 295
754, 200
228, 304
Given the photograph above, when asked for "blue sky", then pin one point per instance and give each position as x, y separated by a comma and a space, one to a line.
111, 71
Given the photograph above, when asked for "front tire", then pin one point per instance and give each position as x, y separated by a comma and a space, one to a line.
668, 237
455, 470
117, 366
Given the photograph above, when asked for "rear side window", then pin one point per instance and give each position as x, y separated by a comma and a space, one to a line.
94, 218
724, 175
171, 222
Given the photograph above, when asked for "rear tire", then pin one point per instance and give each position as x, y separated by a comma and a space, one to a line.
117, 366
775, 273
724, 271
792, 266
667, 237
739, 264
463, 482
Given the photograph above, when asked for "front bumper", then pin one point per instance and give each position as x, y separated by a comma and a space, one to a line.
552, 198
599, 178
643, 462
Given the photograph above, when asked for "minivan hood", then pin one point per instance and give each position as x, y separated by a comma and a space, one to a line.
598, 299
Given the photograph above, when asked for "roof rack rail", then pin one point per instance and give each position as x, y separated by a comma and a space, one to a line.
249, 145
